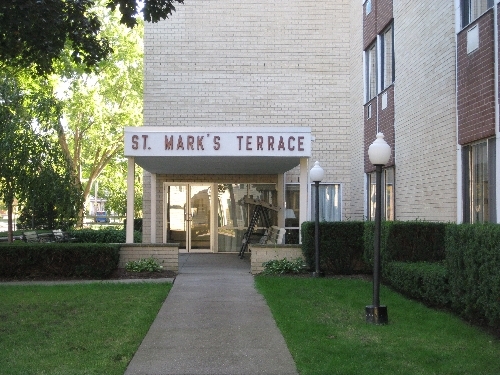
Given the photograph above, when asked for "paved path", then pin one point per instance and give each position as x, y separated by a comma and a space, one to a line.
213, 322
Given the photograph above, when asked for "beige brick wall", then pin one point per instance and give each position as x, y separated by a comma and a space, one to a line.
265, 253
167, 254
256, 63
357, 187
425, 107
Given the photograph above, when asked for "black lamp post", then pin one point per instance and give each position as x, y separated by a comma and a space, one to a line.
316, 174
379, 153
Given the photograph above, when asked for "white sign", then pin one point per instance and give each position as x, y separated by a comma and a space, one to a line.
175, 141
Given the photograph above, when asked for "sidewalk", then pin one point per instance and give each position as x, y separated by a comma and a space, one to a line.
213, 322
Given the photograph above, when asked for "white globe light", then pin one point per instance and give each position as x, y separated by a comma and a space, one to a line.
317, 173
379, 151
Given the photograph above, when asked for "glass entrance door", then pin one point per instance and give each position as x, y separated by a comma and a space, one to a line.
187, 211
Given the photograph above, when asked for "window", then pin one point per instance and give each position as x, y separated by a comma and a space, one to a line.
292, 213
371, 72
329, 202
368, 7
387, 39
473, 9
478, 183
387, 194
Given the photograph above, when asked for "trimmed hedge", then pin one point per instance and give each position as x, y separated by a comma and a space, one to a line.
105, 235
427, 282
341, 246
473, 261
58, 259
406, 241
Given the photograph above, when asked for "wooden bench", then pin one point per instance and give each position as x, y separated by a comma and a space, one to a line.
60, 236
274, 235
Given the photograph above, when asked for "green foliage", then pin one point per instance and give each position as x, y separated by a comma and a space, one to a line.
34, 33
473, 261
95, 109
283, 266
104, 235
406, 241
341, 246
55, 259
32, 169
144, 265
427, 282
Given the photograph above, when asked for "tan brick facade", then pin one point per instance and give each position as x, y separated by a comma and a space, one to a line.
290, 63
425, 111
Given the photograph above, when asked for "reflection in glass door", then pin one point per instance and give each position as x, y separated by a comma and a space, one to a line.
187, 211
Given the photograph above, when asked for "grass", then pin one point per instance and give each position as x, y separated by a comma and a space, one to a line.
323, 322
75, 329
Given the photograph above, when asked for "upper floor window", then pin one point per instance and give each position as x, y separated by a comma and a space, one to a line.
368, 7
478, 192
387, 41
371, 71
387, 194
472, 9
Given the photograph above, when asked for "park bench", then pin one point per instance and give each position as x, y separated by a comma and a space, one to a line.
60, 236
273, 235
33, 236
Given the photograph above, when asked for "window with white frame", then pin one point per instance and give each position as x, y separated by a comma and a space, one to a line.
329, 202
371, 71
473, 9
387, 41
387, 194
368, 7
479, 182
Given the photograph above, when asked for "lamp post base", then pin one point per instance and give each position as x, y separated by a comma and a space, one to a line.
376, 314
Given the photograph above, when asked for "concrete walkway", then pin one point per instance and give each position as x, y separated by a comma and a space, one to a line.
213, 322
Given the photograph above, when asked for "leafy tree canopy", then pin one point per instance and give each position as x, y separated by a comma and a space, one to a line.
34, 33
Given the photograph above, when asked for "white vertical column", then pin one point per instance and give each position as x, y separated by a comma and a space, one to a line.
153, 208
497, 121
304, 192
281, 200
129, 237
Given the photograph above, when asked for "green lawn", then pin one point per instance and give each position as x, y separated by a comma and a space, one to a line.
75, 329
323, 322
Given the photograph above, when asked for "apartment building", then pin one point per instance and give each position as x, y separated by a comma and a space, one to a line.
242, 97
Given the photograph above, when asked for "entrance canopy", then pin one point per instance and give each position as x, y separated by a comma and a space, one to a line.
217, 150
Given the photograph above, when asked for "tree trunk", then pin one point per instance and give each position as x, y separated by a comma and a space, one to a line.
10, 234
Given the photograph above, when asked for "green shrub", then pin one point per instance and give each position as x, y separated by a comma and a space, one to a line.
427, 282
144, 265
406, 241
283, 266
58, 259
473, 261
341, 246
104, 235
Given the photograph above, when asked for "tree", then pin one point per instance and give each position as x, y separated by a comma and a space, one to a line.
29, 164
96, 107
113, 187
35, 33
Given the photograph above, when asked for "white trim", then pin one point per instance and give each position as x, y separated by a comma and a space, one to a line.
304, 194
129, 235
280, 188
153, 207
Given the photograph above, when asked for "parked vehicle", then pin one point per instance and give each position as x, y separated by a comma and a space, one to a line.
101, 217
